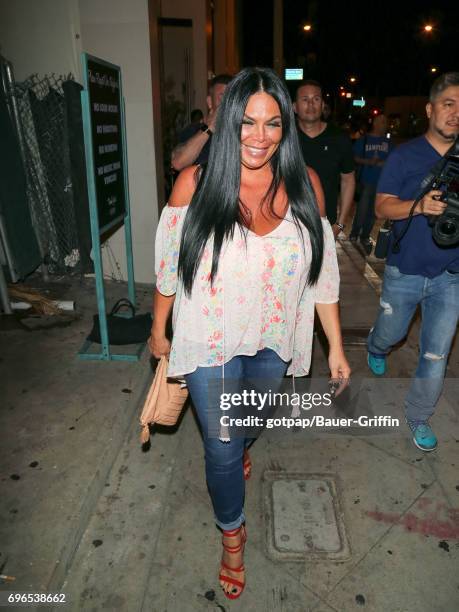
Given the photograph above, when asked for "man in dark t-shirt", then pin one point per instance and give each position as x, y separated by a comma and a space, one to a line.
194, 140
328, 151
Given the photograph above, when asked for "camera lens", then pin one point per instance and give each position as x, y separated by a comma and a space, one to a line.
445, 231
448, 228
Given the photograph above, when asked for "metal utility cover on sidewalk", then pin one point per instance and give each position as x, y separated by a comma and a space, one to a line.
304, 519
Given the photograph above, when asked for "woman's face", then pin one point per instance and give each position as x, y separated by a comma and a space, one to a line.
261, 130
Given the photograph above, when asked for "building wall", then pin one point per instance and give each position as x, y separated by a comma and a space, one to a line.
155, 86
45, 36
226, 41
39, 36
220, 44
196, 11
118, 32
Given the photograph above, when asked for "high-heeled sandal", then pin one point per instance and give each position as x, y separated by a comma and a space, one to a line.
247, 465
232, 550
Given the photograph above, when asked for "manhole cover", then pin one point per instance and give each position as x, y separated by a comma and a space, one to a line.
304, 517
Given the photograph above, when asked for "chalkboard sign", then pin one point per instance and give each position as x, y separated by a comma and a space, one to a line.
103, 86
104, 130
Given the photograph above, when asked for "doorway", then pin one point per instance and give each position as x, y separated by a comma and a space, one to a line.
176, 84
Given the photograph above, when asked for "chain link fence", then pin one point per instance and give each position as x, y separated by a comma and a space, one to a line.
45, 148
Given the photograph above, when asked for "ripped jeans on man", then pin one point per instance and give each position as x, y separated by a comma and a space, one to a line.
439, 301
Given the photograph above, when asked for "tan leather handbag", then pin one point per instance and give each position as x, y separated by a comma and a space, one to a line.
164, 402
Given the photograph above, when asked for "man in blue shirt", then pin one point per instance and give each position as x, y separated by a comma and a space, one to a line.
370, 153
419, 272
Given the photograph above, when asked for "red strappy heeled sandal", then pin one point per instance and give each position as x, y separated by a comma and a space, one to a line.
233, 549
247, 465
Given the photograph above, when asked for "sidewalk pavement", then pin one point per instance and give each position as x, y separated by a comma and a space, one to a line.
87, 513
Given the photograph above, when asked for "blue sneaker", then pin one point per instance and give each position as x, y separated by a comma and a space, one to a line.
423, 436
377, 364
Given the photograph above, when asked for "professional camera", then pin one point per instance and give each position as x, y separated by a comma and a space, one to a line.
445, 228
445, 177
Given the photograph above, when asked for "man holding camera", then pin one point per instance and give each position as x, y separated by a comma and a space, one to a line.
418, 271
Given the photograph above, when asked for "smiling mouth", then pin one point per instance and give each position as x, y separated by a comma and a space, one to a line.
256, 152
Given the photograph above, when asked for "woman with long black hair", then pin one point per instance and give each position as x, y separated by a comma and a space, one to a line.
243, 257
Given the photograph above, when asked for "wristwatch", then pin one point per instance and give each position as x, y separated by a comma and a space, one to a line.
206, 129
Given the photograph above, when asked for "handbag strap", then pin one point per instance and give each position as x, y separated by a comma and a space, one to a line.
123, 303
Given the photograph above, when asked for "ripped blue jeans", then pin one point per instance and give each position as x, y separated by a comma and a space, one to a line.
224, 470
439, 300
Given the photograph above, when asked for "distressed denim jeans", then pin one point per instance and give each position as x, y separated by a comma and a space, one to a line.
224, 460
439, 300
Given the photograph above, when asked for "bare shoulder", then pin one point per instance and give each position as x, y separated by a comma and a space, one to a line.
184, 187
317, 186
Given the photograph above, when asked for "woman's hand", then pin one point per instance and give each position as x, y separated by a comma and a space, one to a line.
159, 345
336, 231
340, 371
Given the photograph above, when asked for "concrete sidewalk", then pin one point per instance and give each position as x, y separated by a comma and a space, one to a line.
116, 528
63, 421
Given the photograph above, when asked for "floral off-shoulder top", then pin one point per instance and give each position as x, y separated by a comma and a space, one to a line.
259, 298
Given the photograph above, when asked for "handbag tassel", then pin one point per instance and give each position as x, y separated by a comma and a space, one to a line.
144, 434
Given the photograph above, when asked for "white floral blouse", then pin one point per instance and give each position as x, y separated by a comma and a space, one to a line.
259, 298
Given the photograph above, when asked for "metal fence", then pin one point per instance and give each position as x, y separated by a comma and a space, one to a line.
43, 126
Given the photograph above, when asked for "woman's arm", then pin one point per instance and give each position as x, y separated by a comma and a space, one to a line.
162, 304
329, 312
184, 187
329, 318
326, 302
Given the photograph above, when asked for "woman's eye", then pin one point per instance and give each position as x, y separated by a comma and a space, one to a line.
274, 124
247, 122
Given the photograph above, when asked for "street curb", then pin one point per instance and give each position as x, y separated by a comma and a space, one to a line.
79, 523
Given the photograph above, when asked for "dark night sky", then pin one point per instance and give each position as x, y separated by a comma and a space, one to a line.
381, 43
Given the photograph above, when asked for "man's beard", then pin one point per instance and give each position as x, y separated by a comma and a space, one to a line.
449, 137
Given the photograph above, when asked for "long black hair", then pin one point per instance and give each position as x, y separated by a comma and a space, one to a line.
215, 207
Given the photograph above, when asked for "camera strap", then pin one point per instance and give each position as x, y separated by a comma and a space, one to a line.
432, 181
399, 238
